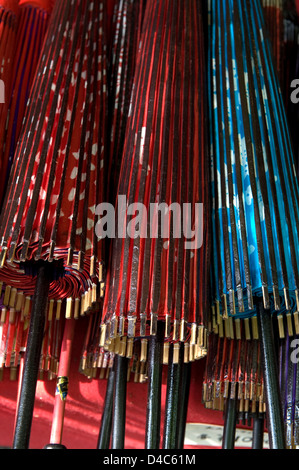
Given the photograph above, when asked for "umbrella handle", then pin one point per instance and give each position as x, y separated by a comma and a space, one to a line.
153, 415
258, 432
184, 399
119, 405
229, 432
172, 401
106, 424
32, 359
271, 378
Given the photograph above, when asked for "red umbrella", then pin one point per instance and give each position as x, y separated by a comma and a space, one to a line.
125, 37
32, 21
154, 281
145, 274
9, 13
57, 179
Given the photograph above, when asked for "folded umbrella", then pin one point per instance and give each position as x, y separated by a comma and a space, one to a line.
9, 16
32, 22
57, 176
155, 279
255, 206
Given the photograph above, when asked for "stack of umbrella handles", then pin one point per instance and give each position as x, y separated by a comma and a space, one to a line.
113, 418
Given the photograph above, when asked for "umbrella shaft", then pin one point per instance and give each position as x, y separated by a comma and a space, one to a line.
183, 409
258, 433
119, 407
106, 424
229, 434
172, 404
270, 370
32, 361
58, 418
153, 417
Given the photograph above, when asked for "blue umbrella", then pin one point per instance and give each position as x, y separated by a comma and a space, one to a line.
254, 184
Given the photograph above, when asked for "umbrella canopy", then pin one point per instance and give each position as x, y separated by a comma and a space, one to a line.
49, 245
255, 216
9, 14
155, 278
57, 176
32, 23
126, 31
281, 18
255, 201
127, 24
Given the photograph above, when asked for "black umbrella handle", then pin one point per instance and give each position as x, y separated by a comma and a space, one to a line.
230, 424
119, 405
106, 423
153, 416
184, 400
258, 432
32, 359
271, 378
172, 402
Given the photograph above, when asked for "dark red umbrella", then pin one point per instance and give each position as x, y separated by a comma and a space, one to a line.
156, 288
31, 26
49, 245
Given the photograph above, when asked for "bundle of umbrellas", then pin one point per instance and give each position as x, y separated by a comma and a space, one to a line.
48, 243
108, 209
255, 207
52, 257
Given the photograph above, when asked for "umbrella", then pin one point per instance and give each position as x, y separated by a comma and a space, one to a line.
254, 186
9, 14
156, 288
32, 22
281, 19
126, 29
48, 242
